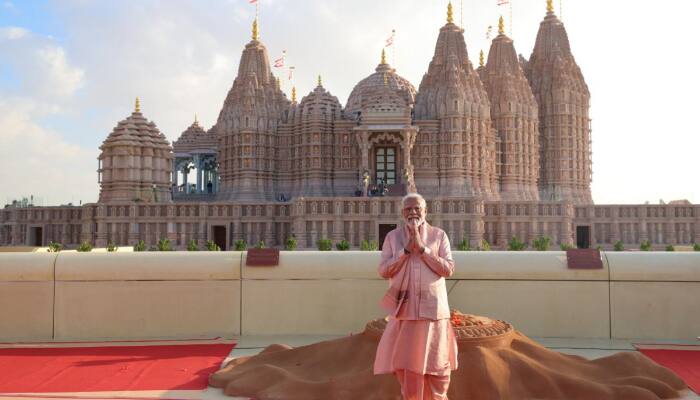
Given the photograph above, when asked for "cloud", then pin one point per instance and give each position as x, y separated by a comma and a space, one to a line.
13, 32
38, 161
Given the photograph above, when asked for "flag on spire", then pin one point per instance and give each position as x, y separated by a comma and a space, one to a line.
488, 32
291, 73
279, 63
502, 2
252, 1
390, 39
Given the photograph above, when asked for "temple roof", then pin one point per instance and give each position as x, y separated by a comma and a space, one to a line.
195, 138
136, 131
383, 76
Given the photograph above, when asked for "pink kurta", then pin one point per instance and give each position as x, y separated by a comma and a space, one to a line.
418, 336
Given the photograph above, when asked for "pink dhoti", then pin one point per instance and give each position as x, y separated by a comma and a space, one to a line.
421, 346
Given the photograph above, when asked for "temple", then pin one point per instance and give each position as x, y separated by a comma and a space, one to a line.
500, 151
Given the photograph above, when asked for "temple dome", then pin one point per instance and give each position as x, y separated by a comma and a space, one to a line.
135, 162
319, 103
195, 138
384, 76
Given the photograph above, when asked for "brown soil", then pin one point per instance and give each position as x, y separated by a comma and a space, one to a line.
495, 362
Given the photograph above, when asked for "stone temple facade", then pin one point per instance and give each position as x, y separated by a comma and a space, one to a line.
500, 150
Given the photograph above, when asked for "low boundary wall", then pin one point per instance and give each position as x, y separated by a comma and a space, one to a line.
67, 296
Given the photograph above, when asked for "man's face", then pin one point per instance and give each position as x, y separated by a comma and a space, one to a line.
413, 211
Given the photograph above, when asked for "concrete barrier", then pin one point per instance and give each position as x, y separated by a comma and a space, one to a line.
26, 296
197, 294
144, 295
654, 294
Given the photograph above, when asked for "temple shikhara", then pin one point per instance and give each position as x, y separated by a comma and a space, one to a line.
499, 150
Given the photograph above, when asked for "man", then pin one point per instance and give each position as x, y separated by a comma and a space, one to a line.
418, 345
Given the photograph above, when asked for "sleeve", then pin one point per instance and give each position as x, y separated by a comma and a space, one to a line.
441, 263
391, 260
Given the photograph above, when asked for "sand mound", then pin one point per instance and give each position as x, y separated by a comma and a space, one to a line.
495, 362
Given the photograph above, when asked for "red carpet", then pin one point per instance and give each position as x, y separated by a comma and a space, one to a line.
685, 363
95, 369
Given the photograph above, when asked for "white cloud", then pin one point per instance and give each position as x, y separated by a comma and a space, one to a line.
13, 32
38, 161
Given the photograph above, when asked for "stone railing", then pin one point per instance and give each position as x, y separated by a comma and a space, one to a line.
61, 296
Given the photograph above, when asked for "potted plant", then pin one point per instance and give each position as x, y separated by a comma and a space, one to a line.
84, 247
140, 246
111, 247
324, 244
54, 247
192, 245
619, 246
240, 245
541, 243
515, 244
290, 244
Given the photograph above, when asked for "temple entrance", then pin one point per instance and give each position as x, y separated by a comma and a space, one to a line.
219, 233
36, 236
583, 237
383, 230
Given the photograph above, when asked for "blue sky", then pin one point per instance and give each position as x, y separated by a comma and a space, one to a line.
70, 70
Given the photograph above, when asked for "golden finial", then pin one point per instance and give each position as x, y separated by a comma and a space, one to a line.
383, 57
481, 58
137, 107
278, 85
386, 79
449, 13
294, 94
256, 35
319, 80
550, 6
501, 26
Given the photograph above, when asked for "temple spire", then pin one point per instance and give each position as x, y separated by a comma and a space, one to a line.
501, 26
449, 13
294, 94
383, 57
137, 106
256, 34
550, 6
481, 58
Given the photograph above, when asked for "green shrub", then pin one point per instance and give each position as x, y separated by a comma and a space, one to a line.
515, 244
369, 245
324, 244
541, 243
111, 246
260, 245
54, 247
618, 246
211, 246
192, 245
484, 246
84, 247
343, 245
463, 245
240, 245
566, 246
645, 246
140, 246
290, 244
696, 247
164, 245
670, 248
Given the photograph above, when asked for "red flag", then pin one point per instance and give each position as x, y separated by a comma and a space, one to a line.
252, 1
502, 2
279, 63
390, 39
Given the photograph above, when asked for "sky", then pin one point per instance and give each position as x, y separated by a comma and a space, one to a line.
71, 69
